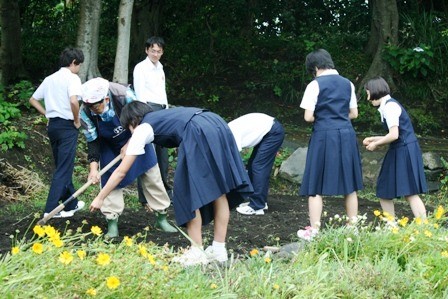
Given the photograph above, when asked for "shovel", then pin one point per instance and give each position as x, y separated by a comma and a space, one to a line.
77, 193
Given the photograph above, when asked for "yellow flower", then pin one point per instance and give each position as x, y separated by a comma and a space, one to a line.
142, 250
444, 253
213, 286
151, 259
49, 230
103, 259
66, 257
403, 221
439, 212
436, 225
395, 230
128, 241
91, 292
81, 254
376, 213
58, 243
39, 230
267, 260
96, 230
253, 252
15, 250
418, 221
276, 286
112, 282
428, 233
38, 248
165, 268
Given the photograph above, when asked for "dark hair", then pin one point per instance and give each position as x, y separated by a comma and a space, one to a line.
318, 58
70, 55
377, 87
133, 113
155, 40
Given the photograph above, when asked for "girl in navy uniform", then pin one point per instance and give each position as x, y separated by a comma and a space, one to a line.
333, 162
209, 180
402, 172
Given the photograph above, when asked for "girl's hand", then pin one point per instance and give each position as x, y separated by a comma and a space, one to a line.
96, 204
367, 141
371, 146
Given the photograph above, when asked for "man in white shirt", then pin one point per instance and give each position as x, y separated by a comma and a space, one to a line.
265, 134
60, 91
149, 86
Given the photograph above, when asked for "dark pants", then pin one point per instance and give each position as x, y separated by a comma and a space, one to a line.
63, 139
260, 164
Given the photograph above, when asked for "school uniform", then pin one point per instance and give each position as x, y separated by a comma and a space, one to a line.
402, 172
333, 162
265, 134
208, 161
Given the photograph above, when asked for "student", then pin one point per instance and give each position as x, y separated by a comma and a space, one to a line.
265, 134
402, 172
60, 92
149, 86
333, 162
103, 102
209, 180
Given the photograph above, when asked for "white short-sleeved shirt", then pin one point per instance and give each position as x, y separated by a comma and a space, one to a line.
249, 129
390, 112
149, 82
56, 91
142, 135
309, 99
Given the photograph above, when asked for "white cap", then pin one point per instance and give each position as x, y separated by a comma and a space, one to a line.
95, 90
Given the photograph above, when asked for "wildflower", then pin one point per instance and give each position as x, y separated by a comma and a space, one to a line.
128, 241
96, 230
349, 240
151, 259
213, 286
267, 260
38, 248
418, 221
146, 228
15, 250
439, 212
165, 268
91, 292
376, 213
85, 222
79, 230
388, 216
49, 230
436, 225
253, 252
142, 250
58, 243
395, 230
444, 253
428, 233
66, 258
112, 282
276, 286
81, 254
418, 49
103, 259
403, 221
38, 230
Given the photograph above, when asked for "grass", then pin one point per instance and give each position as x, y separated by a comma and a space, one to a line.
383, 259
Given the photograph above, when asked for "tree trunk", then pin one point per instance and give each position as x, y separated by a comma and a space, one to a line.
124, 33
11, 63
384, 31
87, 40
146, 22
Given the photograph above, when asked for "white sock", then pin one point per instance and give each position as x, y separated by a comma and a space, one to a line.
219, 245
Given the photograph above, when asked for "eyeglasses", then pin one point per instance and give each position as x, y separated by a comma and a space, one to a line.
154, 52
94, 105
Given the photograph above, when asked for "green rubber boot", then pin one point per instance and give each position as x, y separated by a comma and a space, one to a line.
162, 223
112, 228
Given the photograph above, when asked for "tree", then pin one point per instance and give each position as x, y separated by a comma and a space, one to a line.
383, 31
124, 32
87, 40
11, 63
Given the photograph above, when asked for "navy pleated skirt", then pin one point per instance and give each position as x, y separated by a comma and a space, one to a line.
402, 172
333, 163
208, 166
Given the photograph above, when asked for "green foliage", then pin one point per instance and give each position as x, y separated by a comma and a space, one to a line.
416, 61
9, 136
21, 93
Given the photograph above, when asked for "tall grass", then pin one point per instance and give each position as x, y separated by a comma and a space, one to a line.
386, 258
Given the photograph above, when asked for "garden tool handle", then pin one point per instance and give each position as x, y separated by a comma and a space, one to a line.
77, 193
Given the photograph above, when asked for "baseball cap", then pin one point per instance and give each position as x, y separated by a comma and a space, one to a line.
95, 90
